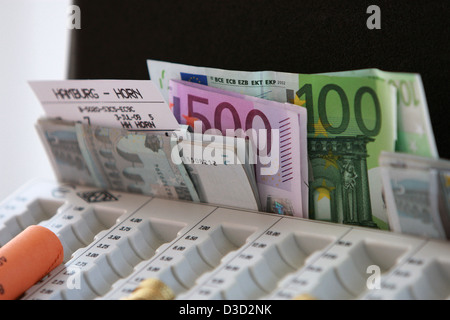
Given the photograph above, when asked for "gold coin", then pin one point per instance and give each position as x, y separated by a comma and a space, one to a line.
151, 289
304, 296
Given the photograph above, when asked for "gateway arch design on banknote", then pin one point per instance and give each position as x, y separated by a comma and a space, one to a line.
340, 190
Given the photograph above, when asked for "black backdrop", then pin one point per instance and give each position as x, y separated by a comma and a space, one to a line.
301, 36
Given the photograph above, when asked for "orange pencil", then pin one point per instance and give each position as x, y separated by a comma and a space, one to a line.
26, 259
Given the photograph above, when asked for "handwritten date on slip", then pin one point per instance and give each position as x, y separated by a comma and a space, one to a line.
127, 104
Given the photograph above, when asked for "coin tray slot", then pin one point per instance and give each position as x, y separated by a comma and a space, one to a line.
152, 234
222, 240
40, 210
106, 217
434, 283
296, 248
142, 244
236, 234
206, 256
331, 287
165, 230
36, 212
246, 287
94, 221
78, 226
353, 271
285, 257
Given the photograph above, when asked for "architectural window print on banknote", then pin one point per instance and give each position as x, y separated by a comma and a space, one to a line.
352, 118
350, 122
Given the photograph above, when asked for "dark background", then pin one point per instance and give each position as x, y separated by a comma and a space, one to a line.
300, 36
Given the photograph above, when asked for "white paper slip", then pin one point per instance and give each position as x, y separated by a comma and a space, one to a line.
128, 104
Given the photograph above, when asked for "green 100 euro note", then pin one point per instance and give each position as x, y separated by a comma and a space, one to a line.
351, 120
414, 132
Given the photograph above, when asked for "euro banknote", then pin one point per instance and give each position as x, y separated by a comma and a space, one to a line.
414, 131
218, 167
277, 132
61, 144
416, 193
440, 184
350, 121
118, 159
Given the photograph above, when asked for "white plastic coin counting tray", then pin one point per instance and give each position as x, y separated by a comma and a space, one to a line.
112, 241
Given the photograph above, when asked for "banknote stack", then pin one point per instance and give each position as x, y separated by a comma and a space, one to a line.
352, 118
276, 131
151, 162
115, 158
318, 146
417, 194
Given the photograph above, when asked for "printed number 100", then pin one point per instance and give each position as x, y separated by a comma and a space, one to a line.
306, 90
